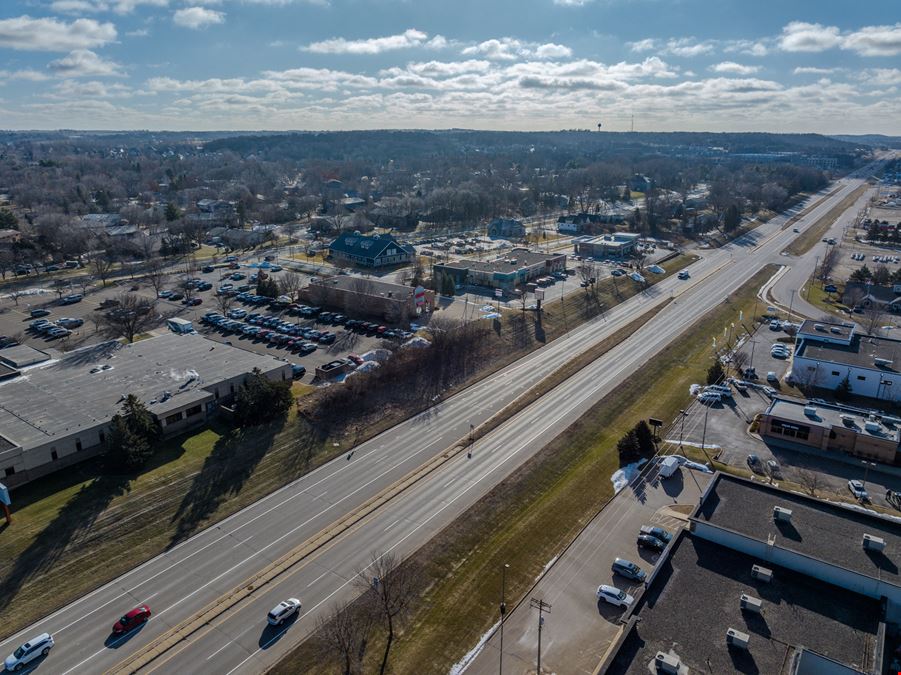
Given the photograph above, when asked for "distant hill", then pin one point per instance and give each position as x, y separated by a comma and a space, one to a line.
875, 140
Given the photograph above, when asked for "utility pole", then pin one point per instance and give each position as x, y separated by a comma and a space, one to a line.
503, 614
682, 416
791, 301
704, 435
542, 607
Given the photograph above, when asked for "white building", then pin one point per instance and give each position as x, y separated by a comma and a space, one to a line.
826, 353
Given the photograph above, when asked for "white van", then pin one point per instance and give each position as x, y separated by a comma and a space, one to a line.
720, 389
669, 466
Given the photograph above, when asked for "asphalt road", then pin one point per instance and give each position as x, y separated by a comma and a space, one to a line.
185, 579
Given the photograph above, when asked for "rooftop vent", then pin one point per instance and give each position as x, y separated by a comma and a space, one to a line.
872, 427
762, 573
883, 363
780, 513
751, 604
810, 411
847, 419
667, 663
836, 330
735, 638
820, 327
873, 543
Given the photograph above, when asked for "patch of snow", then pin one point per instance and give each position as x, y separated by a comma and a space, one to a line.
460, 666
707, 446
376, 355
624, 475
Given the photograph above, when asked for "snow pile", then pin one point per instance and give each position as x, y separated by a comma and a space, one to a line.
367, 366
695, 389
379, 355
624, 475
417, 341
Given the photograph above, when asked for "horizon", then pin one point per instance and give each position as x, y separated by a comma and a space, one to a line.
333, 65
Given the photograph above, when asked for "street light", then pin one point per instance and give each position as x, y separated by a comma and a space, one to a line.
866, 471
682, 416
503, 613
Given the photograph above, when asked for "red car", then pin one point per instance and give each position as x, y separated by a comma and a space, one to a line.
133, 619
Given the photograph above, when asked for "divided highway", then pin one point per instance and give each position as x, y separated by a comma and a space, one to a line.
184, 580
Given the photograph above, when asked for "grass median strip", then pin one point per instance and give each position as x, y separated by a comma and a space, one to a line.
530, 516
806, 241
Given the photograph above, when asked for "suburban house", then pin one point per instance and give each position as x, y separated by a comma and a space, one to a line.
616, 245
587, 223
506, 228
827, 353
866, 296
380, 250
518, 267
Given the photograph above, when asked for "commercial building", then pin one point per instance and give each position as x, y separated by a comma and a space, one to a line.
519, 266
380, 250
766, 581
789, 421
506, 228
587, 223
616, 245
57, 413
827, 353
369, 297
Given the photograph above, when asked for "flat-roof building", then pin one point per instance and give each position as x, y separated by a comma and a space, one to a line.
617, 245
519, 266
827, 353
831, 427
767, 581
57, 414
370, 297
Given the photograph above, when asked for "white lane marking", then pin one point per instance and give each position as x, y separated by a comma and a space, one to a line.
218, 650
318, 578
391, 525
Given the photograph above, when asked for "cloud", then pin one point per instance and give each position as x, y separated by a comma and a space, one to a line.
502, 49
84, 63
197, 17
813, 70
646, 45
734, 68
53, 35
799, 36
27, 74
118, 6
875, 41
138, 32
406, 40
69, 90
883, 77
553, 51
684, 47
748, 47
572, 3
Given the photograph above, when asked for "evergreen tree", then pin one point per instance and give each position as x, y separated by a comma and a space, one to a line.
843, 390
261, 400
629, 448
715, 373
172, 212
861, 274
732, 218
645, 437
132, 432
8, 220
268, 288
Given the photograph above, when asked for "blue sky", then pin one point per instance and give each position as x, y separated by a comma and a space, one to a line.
719, 65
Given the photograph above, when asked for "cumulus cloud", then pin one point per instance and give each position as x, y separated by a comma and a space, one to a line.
685, 47
883, 77
553, 51
646, 45
734, 68
813, 70
499, 49
406, 40
27, 74
572, 3
196, 18
84, 63
875, 41
118, 6
799, 36
53, 35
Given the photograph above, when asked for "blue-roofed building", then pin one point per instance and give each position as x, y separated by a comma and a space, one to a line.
380, 250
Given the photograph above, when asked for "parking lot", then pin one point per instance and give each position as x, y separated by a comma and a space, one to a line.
16, 318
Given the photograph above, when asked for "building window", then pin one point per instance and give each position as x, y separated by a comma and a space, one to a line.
78, 445
102, 437
216, 394
811, 367
835, 372
231, 388
196, 410
861, 377
801, 432
173, 418
53, 455
9, 471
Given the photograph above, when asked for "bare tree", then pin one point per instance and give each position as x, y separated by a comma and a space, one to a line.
17, 293
588, 272
133, 315
809, 480
60, 286
392, 587
101, 264
290, 284
7, 259
85, 283
873, 317
830, 258
156, 275
224, 303
344, 635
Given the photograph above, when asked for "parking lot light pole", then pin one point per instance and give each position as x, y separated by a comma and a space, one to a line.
866, 471
682, 416
503, 614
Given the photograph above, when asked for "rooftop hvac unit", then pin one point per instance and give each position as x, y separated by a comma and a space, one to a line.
751, 604
810, 411
884, 363
762, 573
872, 427
737, 639
836, 330
846, 418
873, 543
667, 663
780, 513
820, 327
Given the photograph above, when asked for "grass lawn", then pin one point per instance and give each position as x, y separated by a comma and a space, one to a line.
830, 303
76, 530
534, 513
809, 238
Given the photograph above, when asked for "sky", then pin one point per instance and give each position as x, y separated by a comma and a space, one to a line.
661, 65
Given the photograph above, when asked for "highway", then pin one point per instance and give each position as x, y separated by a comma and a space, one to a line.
187, 578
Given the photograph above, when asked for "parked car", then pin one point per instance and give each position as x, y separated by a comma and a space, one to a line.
70, 322
614, 596
31, 650
139, 615
755, 464
175, 296
772, 377
71, 299
36, 313
298, 371
192, 302
773, 468
165, 293
282, 611
628, 569
683, 274
657, 532
206, 269
830, 288
653, 543
858, 490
